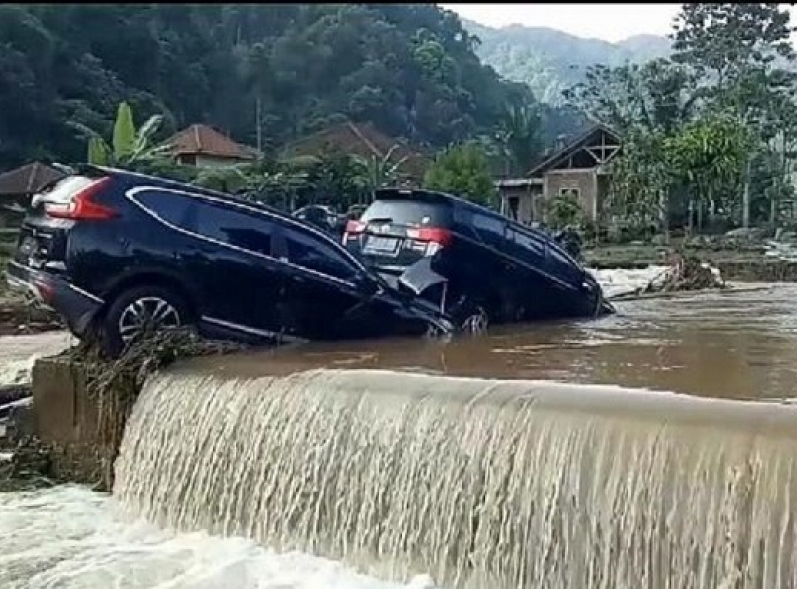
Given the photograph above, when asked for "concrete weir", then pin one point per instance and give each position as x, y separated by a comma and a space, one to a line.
477, 482
67, 419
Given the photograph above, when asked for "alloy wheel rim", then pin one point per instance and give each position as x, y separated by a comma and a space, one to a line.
146, 313
476, 323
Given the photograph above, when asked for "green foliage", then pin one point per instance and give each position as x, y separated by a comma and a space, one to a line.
731, 40
333, 178
706, 123
640, 180
462, 170
230, 179
130, 145
656, 96
709, 153
519, 137
565, 211
266, 74
378, 172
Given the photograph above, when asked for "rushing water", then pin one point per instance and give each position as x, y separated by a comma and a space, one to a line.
481, 484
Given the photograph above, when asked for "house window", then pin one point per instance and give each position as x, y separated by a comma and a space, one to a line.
573, 192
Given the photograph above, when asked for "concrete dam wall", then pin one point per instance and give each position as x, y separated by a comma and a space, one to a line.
477, 482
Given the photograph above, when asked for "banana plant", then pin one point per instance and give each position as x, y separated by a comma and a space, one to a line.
380, 171
128, 144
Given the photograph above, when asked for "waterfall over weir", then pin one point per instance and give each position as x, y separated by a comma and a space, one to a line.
479, 483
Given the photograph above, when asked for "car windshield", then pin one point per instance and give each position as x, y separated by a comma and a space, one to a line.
407, 212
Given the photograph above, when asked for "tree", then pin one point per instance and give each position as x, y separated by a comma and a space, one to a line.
128, 144
519, 137
646, 104
726, 42
564, 211
230, 179
733, 48
462, 170
657, 96
641, 181
708, 154
267, 74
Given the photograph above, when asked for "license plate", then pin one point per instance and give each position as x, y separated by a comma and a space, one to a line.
381, 244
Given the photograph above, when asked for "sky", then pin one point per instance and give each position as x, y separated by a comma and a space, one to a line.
609, 22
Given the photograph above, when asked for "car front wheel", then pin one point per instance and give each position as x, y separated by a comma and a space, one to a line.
140, 310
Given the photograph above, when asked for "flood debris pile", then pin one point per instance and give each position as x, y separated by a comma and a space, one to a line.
112, 386
21, 315
24, 460
683, 274
24, 464
686, 273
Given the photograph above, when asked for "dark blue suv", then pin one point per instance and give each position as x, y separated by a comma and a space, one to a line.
117, 252
490, 267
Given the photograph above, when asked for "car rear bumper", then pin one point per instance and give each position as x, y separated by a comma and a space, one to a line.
76, 306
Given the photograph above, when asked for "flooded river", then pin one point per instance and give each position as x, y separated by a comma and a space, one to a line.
727, 345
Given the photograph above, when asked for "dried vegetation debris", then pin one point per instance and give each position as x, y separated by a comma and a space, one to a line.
25, 461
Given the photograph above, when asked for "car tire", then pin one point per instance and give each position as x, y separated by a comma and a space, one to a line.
475, 321
141, 307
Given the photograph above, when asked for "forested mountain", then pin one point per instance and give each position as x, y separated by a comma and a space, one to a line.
551, 61
287, 69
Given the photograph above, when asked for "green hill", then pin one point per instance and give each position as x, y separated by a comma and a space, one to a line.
550, 61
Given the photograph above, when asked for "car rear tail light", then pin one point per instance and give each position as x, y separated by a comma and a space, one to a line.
441, 237
82, 207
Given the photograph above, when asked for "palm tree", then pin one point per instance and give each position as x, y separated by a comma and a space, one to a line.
519, 137
128, 144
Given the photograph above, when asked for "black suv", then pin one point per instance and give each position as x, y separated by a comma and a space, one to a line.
117, 251
491, 268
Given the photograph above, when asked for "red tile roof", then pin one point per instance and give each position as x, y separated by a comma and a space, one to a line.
28, 179
364, 140
205, 140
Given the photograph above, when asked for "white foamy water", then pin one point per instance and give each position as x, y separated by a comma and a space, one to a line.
616, 282
19, 352
69, 537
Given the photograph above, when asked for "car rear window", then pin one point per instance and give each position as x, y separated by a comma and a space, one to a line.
409, 212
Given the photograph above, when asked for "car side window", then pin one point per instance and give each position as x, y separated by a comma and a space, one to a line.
528, 242
175, 209
309, 252
249, 231
489, 228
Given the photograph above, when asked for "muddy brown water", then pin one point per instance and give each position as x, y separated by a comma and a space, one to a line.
736, 345
492, 478
495, 476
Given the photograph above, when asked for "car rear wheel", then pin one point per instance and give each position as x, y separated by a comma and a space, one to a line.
469, 316
476, 321
140, 310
